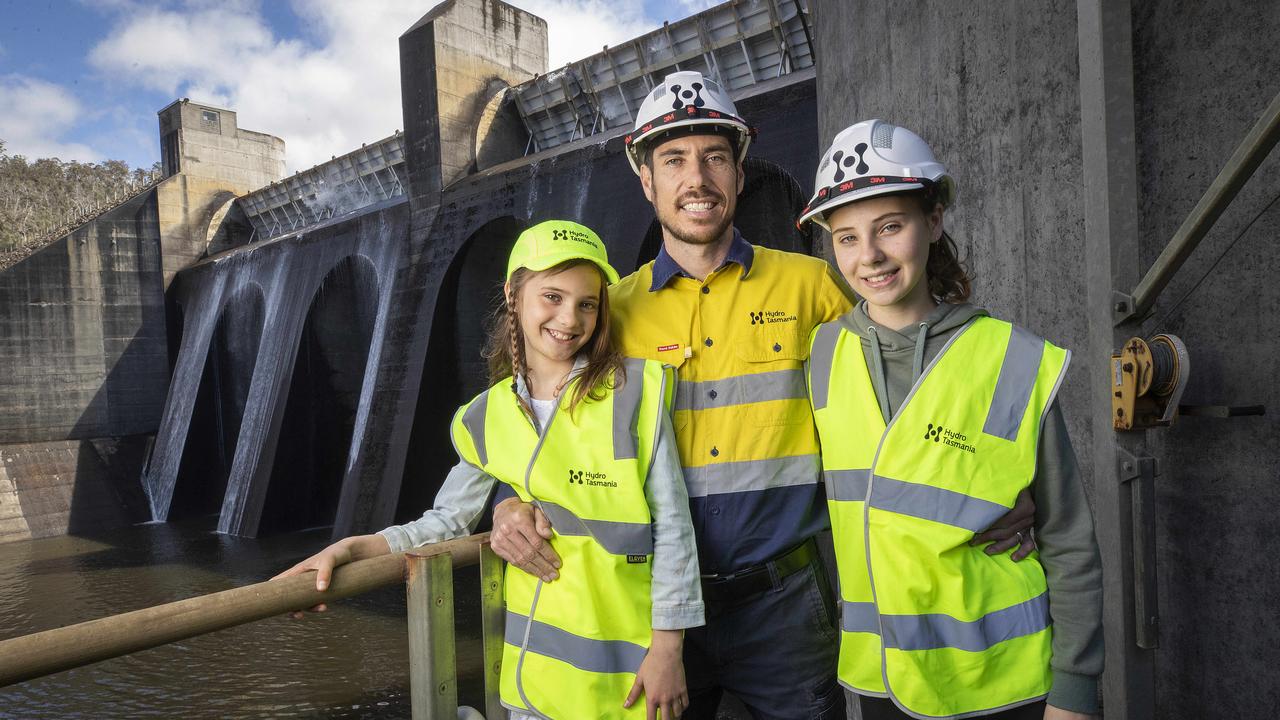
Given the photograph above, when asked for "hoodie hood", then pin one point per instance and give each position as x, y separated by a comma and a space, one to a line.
897, 357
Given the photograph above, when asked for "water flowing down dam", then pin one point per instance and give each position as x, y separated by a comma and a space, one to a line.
218, 375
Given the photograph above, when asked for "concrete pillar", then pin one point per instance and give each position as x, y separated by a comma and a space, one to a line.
452, 62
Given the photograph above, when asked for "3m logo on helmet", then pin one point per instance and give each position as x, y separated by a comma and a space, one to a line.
687, 96
842, 162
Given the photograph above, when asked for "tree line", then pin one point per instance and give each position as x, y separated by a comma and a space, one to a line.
45, 198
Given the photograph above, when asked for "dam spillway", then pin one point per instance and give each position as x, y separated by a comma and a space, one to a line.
215, 334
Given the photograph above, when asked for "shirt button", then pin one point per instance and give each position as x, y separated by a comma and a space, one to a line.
712, 394
707, 342
777, 347
715, 511
715, 452
706, 290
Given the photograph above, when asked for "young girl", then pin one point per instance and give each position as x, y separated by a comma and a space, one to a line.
932, 417
586, 436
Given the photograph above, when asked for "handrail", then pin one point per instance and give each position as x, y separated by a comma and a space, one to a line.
43, 653
1253, 149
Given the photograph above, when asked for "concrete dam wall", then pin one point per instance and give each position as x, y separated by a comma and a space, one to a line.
1003, 98
284, 365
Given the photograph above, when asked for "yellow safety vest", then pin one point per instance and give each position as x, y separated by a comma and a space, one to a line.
942, 628
573, 646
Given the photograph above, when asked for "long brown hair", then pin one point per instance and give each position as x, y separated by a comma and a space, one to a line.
505, 346
949, 278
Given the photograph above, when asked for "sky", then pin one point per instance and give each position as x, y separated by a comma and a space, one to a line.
83, 79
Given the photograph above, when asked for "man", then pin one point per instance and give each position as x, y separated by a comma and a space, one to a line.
734, 319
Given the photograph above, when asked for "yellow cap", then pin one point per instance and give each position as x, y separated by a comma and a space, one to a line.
552, 242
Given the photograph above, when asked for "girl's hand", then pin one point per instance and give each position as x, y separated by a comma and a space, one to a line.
339, 553
661, 677
1055, 713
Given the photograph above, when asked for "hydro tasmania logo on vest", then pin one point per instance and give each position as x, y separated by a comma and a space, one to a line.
957, 440
586, 477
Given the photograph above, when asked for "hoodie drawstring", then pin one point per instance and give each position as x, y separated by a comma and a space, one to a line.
917, 363
877, 367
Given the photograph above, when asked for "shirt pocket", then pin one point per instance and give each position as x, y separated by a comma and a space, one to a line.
773, 377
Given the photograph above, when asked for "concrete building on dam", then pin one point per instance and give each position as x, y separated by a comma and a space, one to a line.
286, 352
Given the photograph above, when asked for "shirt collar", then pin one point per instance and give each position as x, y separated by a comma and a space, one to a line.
522, 387
665, 267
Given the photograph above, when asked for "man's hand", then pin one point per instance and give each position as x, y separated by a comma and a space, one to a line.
661, 677
1013, 529
520, 535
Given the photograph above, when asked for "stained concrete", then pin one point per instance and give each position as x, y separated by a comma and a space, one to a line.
69, 486
1203, 73
82, 332
994, 89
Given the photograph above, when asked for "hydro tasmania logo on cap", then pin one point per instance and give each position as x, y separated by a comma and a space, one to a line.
569, 234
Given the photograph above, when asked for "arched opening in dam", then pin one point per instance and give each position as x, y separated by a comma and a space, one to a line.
454, 370
324, 394
768, 206
210, 445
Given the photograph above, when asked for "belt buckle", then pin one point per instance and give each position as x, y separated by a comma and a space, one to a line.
715, 578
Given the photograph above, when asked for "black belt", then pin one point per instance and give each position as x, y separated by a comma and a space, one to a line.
754, 580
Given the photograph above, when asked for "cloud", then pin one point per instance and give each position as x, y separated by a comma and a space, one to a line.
691, 7
325, 92
37, 113
579, 28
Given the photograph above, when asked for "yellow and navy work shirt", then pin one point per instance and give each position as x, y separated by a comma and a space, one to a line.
743, 424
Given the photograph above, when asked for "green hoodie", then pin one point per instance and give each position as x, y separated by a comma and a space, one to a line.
1064, 525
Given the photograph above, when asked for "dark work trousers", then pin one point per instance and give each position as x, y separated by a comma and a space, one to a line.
775, 651
874, 708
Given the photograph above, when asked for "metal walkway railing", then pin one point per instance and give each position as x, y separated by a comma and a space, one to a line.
427, 574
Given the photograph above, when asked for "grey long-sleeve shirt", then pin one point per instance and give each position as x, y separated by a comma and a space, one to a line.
676, 591
1064, 524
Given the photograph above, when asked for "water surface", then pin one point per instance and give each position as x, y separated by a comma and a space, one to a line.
351, 662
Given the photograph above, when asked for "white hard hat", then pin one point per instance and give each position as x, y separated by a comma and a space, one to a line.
874, 158
686, 100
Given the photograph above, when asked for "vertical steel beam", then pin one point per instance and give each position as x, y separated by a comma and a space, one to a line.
433, 673
1105, 37
492, 628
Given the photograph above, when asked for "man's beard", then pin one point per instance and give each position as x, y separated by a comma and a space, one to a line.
700, 238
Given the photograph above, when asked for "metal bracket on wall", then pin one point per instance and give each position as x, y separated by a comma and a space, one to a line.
1139, 472
1121, 306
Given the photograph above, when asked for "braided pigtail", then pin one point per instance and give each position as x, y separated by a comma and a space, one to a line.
505, 346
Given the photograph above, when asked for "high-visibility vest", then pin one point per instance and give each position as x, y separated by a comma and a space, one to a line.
942, 628
573, 646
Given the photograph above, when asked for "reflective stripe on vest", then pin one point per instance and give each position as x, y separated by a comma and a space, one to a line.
742, 389
601, 656
573, 646
905, 499
619, 538
750, 475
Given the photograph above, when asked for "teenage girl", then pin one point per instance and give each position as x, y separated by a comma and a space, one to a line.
932, 417
586, 436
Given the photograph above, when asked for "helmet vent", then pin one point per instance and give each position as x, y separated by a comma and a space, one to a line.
882, 136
